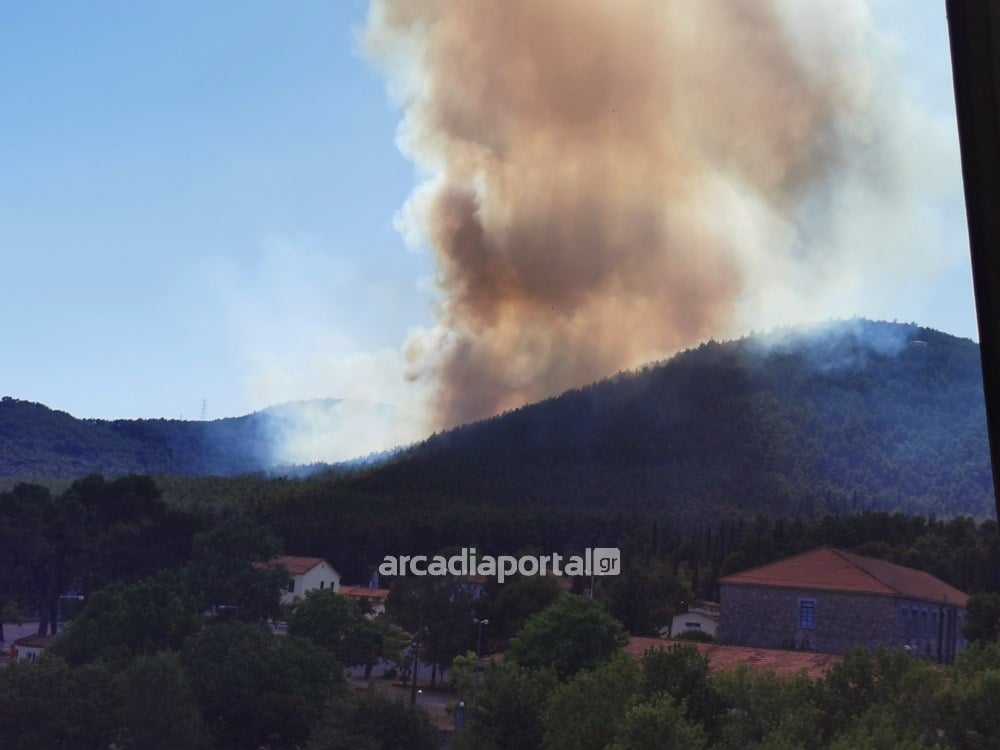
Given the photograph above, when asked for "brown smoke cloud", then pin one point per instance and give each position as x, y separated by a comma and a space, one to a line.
594, 169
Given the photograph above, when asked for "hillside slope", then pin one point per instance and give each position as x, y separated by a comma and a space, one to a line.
851, 415
848, 416
36, 441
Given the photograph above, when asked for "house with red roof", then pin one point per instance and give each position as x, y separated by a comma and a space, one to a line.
32, 646
305, 574
828, 600
372, 600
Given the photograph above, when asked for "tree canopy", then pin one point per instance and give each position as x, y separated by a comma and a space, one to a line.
572, 634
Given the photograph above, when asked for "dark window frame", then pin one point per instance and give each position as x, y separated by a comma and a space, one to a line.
807, 613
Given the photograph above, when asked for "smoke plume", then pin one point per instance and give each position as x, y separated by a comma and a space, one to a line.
608, 182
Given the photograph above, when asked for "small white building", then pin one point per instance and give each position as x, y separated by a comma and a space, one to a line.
32, 646
700, 615
307, 573
372, 600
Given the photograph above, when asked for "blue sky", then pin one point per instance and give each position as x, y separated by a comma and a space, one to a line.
160, 157
197, 202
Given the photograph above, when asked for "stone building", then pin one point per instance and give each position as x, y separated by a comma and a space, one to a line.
828, 600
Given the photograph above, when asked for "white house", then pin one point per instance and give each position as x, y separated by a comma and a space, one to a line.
700, 615
307, 573
32, 646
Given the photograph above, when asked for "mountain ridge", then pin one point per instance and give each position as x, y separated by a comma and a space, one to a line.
848, 415
852, 414
38, 441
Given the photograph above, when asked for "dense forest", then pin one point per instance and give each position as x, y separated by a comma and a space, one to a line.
854, 415
99, 532
171, 646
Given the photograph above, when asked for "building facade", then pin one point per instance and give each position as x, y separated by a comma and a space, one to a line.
700, 616
305, 574
32, 646
371, 600
829, 600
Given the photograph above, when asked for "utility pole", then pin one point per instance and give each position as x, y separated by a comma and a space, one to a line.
416, 661
74, 597
479, 648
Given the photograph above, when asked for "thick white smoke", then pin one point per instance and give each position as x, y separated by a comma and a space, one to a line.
610, 182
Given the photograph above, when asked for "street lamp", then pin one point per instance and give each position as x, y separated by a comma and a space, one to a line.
227, 611
75, 597
479, 646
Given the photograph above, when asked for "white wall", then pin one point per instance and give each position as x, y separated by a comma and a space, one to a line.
704, 623
322, 576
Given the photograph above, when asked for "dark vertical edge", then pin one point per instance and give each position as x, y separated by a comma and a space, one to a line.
974, 31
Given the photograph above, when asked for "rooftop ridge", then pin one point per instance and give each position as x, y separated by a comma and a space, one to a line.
846, 557
755, 568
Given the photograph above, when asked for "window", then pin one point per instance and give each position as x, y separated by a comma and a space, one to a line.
322, 584
696, 625
291, 586
807, 613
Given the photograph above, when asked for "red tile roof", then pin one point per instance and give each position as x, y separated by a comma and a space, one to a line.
35, 641
363, 592
722, 657
830, 569
295, 565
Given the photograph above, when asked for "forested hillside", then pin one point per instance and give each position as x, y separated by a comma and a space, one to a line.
36, 441
857, 415
851, 416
